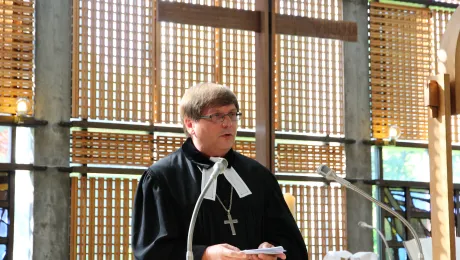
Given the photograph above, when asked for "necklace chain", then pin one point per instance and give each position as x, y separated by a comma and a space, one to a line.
231, 200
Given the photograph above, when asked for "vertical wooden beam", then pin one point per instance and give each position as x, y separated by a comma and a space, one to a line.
449, 58
441, 185
264, 86
155, 53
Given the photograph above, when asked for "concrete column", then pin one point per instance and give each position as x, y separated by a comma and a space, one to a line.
52, 103
357, 124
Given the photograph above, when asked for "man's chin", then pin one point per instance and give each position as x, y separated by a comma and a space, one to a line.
227, 142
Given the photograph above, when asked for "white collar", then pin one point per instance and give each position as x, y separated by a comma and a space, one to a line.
232, 177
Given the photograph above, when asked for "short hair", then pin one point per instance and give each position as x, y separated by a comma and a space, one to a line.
202, 96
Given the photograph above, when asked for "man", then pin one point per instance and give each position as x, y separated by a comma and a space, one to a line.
244, 210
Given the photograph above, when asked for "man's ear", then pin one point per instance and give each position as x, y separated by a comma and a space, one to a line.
188, 122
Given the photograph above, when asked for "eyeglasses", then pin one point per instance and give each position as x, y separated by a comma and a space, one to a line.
220, 117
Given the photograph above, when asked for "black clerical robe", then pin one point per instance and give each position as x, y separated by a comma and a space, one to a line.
167, 194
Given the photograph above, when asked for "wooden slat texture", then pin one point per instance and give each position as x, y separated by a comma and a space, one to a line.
321, 217
112, 62
301, 159
164, 145
114, 71
440, 20
102, 221
189, 54
117, 214
110, 216
111, 148
16, 53
309, 75
239, 72
100, 215
239, 4
187, 57
92, 198
247, 148
400, 56
126, 216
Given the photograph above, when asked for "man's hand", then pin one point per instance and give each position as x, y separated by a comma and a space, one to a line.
223, 252
264, 256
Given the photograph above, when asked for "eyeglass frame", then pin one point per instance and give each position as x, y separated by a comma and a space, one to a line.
222, 117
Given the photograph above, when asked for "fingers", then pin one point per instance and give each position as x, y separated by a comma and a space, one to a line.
282, 256
232, 252
266, 257
269, 257
265, 245
235, 255
223, 252
234, 248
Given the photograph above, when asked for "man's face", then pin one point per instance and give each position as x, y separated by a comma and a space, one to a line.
214, 137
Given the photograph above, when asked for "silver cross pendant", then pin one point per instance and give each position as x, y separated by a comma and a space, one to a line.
231, 221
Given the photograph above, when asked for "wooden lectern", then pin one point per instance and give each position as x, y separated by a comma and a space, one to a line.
442, 96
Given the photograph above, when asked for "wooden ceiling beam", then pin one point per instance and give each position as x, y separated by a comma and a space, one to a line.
318, 28
212, 16
229, 18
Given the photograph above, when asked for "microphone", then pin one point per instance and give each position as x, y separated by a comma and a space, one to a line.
218, 168
363, 224
330, 175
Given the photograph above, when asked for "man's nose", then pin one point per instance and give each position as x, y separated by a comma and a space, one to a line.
227, 121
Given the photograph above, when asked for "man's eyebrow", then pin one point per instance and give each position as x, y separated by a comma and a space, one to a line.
219, 112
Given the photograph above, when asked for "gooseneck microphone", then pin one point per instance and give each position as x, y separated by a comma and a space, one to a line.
363, 224
329, 174
218, 168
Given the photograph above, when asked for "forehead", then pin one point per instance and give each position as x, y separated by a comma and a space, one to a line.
220, 109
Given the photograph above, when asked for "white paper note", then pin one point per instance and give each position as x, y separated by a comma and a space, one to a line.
267, 251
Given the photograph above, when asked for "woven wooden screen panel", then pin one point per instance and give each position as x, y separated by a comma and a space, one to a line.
101, 218
247, 148
236, 63
301, 159
113, 72
239, 4
164, 145
309, 74
440, 20
187, 57
192, 54
321, 217
400, 56
111, 148
238, 71
16, 53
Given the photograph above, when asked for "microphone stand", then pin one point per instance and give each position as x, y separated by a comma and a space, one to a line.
219, 167
387, 248
329, 174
